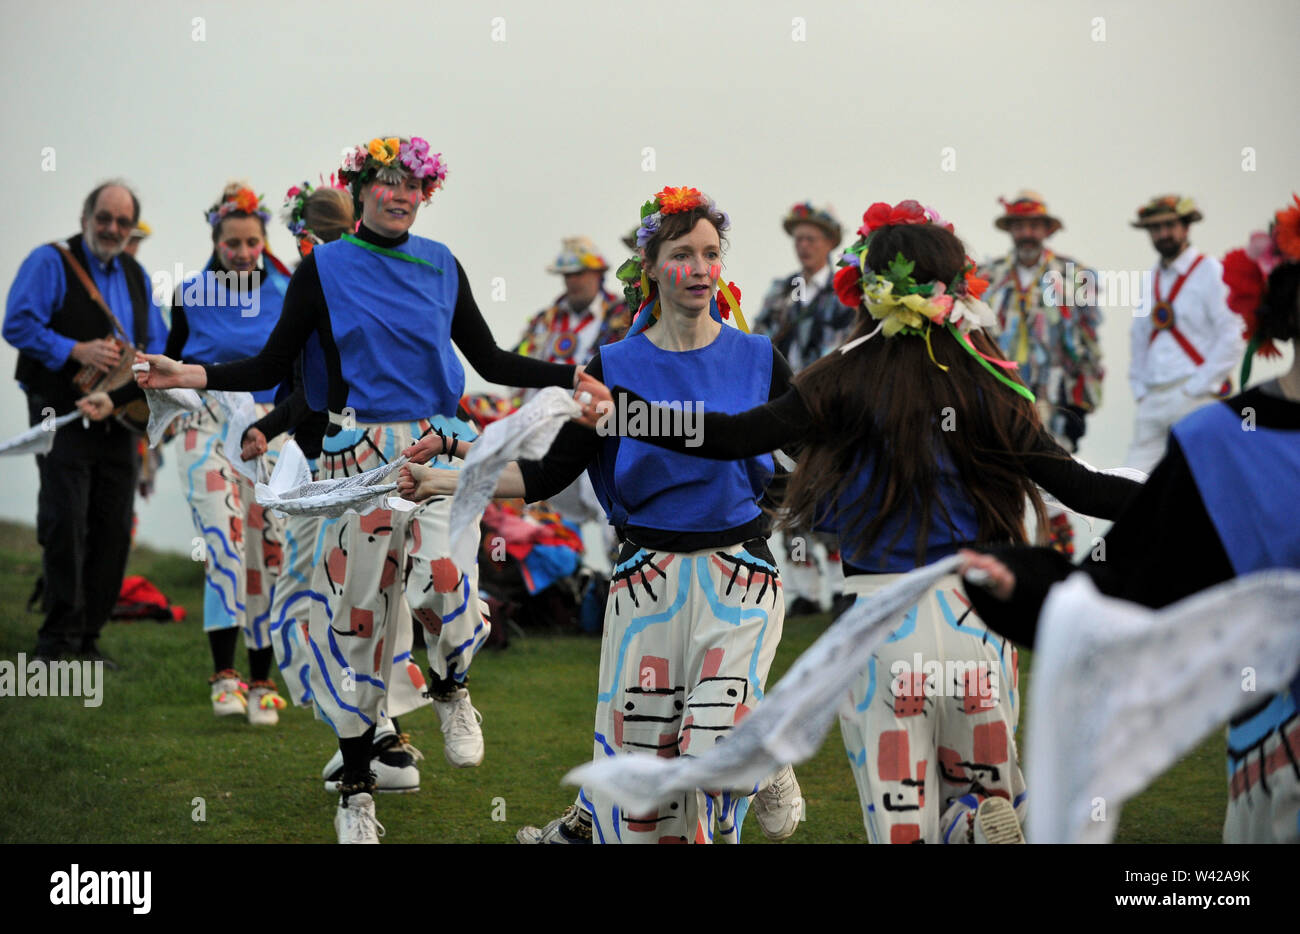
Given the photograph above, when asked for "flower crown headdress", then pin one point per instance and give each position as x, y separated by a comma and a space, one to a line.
904, 306
242, 200
637, 288
1246, 272
387, 159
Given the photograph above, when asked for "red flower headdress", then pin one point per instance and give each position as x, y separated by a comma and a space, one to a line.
241, 200
904, 306
1246, 271
637, 289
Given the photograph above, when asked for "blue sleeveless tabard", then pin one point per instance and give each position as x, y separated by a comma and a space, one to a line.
391, 320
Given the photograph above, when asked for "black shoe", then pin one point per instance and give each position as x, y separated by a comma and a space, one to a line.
841, 604
442, 688
802, 606
95, 655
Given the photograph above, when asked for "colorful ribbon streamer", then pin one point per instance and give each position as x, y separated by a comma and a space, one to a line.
980, 359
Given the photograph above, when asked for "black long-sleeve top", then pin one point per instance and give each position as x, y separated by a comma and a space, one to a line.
290, 413
1161, 549
575, 447
786, 420
305, 312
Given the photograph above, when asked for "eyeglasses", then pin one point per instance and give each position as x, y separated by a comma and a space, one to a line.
104, 219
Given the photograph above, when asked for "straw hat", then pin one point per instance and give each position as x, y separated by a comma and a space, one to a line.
577, 254
1167, 208
1026, 205
823, 218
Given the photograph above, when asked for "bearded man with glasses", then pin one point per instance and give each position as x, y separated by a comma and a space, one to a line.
71, 309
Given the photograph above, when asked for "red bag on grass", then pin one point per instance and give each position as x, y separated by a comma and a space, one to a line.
140, 599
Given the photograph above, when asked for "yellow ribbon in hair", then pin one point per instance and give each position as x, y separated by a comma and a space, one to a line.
645, 290
725, 291
931, 349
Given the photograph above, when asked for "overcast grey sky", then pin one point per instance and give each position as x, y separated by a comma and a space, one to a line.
559, 118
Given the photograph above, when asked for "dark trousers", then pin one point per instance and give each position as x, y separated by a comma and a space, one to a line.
83, 524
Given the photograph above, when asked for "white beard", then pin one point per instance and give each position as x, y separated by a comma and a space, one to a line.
103, 251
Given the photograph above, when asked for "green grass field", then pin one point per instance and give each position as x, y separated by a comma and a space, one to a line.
130, 770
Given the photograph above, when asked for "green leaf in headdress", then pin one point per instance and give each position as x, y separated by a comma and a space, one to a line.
648, 208
901, 267
630, 271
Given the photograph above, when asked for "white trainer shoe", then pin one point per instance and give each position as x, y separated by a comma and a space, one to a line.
356, 823
393, 762
996, 822
228, 696
779, 807
264, 704
462, 735
569, 827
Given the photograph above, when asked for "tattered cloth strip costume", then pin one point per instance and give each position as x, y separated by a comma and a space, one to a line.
1048, 319
804, 318
565, 334
377, 316
1056, 345
242, 545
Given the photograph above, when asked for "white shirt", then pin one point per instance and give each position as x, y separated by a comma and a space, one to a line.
1201, 315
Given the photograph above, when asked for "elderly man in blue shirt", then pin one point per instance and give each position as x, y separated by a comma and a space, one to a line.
60, 317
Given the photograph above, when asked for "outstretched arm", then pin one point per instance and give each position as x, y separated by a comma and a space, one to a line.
765, 428
1090, 492
1163, 548
474, 338
418, 482
304, 307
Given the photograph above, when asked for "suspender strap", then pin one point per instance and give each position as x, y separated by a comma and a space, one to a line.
1163, 313
88, 284
1178, 283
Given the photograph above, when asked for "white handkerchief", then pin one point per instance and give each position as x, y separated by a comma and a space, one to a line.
291, 470
240, 412
165, 406
1120, 692
359, 494
38, 439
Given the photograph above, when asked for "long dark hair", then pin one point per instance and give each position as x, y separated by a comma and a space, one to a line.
886, 405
